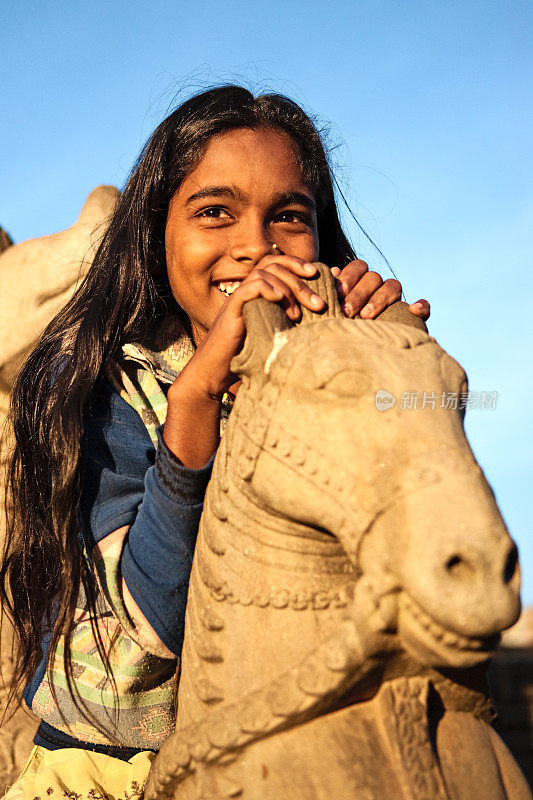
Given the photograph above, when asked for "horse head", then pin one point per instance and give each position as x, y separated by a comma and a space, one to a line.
400, 489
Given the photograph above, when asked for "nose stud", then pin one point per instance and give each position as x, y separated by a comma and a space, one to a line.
275, 246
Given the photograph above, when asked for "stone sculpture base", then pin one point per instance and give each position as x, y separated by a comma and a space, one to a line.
401, 745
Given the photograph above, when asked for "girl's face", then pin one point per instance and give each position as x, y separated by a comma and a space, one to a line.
246, 194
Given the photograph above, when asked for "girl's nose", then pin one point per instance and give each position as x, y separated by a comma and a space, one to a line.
251, 244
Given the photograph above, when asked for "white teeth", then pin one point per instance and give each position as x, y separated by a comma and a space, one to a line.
229, 287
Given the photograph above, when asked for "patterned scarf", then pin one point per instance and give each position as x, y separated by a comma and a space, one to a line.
145, 366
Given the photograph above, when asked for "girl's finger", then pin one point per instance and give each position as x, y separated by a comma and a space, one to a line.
357, 298
272, 289
292, 263
350, 276
388, 293
299, 288
250, 290
287, 300
421, 309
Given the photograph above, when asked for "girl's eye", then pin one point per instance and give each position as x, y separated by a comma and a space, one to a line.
298, 217
213, 212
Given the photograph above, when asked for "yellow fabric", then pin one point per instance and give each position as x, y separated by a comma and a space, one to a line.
80, 775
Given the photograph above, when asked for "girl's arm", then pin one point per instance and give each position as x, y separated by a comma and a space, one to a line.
140, 513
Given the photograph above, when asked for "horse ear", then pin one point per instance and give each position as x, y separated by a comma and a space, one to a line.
263, 320
324, 285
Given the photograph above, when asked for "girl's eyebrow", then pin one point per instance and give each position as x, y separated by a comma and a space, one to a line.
211, 191
283, 199
295, 198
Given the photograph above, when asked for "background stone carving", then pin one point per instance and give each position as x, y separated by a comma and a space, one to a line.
37, 278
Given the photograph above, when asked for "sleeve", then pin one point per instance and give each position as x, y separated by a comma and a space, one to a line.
127, 483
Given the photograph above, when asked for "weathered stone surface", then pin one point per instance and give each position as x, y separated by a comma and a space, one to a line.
358, 572
38, 276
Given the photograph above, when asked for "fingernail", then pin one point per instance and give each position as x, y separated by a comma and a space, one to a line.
343, 288
368, 309
309, 268
348, 310
317, 301
418, 305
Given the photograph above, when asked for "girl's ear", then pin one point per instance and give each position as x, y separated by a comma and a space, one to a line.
263, 320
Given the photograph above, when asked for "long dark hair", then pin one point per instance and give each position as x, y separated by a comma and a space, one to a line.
124, 291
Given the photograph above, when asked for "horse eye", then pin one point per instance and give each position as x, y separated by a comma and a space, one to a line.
348, 383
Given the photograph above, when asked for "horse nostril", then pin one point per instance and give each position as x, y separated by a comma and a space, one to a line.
511, 565
459, 567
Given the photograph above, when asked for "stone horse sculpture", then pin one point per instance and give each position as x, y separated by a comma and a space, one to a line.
351, 579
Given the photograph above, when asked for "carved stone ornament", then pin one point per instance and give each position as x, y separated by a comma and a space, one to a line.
350, 582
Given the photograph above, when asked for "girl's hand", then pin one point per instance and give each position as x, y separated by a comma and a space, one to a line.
277, 278
191, 429
367, 294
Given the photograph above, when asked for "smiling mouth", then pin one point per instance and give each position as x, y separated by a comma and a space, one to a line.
228, 287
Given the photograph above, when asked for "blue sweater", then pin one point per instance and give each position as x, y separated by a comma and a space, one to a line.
127, 483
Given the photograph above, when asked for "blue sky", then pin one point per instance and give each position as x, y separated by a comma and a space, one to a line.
430, 104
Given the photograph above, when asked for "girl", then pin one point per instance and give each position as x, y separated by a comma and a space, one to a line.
231, 199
